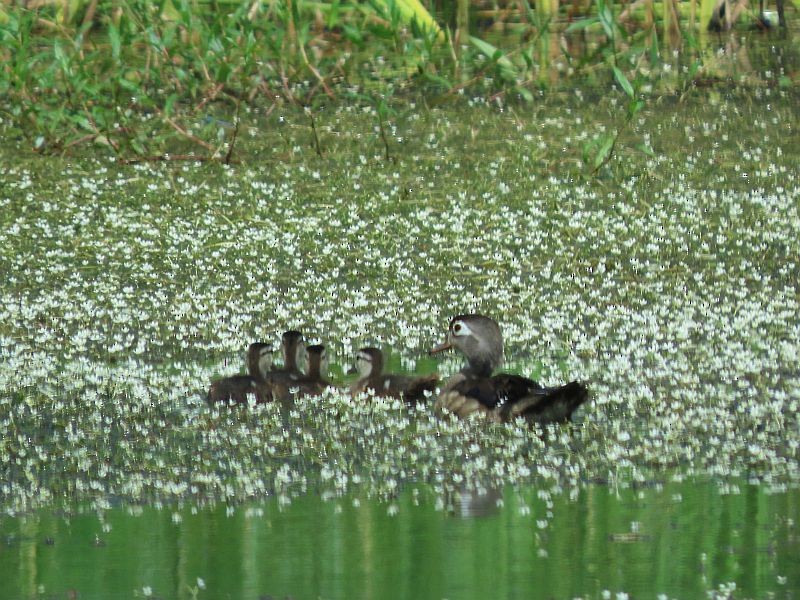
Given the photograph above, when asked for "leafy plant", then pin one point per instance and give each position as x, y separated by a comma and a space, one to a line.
165, 81
598, 152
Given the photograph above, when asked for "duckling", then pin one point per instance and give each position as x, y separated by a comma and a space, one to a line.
294, 359
236, 388
369, 364
503, 397
313, 383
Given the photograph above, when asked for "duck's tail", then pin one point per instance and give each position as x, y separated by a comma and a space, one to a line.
548, 405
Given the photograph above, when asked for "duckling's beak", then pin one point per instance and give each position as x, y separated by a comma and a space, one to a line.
352, 371
441, 348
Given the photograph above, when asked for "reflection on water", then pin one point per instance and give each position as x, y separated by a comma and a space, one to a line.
680, 539
480, 503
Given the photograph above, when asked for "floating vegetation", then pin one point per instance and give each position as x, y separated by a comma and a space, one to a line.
671, 292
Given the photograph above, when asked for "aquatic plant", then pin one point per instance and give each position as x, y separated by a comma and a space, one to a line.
672, 294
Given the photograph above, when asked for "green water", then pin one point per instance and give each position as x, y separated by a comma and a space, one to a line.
682, 540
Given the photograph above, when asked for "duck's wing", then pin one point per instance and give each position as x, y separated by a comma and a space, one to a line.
546, 405
465, 395
509, 389
453, 402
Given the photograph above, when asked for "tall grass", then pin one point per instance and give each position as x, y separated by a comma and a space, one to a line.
169, 80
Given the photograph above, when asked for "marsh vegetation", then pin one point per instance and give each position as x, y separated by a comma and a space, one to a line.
638, 232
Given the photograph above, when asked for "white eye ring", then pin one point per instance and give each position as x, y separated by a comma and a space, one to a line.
461, 329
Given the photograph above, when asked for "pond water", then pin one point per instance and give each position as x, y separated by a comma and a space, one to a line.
676, 540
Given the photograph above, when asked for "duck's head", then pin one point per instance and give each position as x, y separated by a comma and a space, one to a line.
479, 339
294, 351
369, 361
317, 360
259, 358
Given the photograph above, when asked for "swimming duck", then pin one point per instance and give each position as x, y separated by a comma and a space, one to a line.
294, 358
313, 383
369, 364
503, 397
237, 388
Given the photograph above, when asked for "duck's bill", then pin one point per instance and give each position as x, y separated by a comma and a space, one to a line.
352, 371
440, 348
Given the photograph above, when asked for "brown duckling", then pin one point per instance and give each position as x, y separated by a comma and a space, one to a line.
294, 357
501, 397
313, 383
369, 364
237, 388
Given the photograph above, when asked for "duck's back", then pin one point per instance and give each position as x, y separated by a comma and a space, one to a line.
499, 390
407, 388
505, 397
236, 389
466, 393
547, 405
310, 386
283, 381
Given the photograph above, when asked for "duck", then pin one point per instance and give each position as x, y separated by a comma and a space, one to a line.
237, 388
294, 358
313, 383
369, 365
503, 397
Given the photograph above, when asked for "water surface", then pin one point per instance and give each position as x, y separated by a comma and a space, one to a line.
680, 539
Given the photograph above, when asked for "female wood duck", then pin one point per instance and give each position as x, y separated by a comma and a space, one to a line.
237, 388
369, 364
502, 397
294, 358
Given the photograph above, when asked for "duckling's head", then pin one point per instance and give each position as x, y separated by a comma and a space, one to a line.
317, 360
259, 357
479, 338
369, 361
294, 351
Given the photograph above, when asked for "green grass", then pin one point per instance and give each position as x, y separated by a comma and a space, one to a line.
146, 84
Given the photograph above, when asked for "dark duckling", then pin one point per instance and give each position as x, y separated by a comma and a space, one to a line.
502, 397
369, 364
313, 383
237, 388
282, 379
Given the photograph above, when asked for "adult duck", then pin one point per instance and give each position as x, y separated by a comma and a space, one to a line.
503, 397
